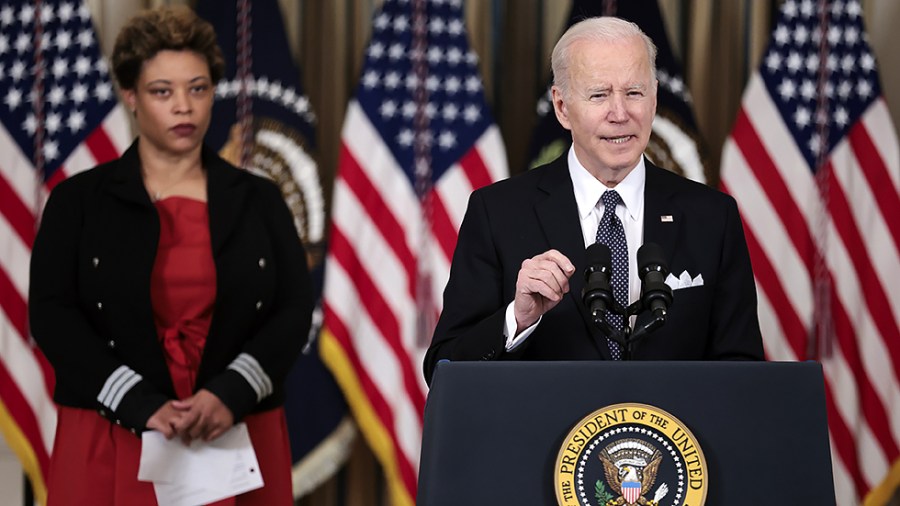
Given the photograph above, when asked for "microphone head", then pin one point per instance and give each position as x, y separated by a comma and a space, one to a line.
596, 294
650, 256
598, 254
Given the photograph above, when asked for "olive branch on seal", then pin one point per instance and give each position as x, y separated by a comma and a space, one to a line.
603, 496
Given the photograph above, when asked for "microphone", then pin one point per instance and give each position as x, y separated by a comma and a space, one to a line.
597, 294
655, 293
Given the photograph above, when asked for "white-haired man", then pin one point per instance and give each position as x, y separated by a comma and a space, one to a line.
515, 283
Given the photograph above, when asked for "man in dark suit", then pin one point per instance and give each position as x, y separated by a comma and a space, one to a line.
515, 283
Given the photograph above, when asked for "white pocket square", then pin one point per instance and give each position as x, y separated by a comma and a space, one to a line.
684, 281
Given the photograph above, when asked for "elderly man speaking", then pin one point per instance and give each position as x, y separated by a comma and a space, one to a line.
515, 287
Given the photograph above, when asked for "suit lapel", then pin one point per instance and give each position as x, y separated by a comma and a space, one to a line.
125, 180
225, 196
662, 220
558, 218
558, 214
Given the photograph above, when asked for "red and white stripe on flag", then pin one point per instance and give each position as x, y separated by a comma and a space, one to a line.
814, 164
81, 126
416, 141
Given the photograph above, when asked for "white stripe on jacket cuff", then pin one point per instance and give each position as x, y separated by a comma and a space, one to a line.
117, 385
249, 368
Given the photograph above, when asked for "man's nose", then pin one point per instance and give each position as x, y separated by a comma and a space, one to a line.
618, 111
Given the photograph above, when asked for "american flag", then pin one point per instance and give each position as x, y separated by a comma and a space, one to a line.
417, 139
813, 162
58, 115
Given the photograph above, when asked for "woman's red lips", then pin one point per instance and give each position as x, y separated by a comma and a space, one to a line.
184, 129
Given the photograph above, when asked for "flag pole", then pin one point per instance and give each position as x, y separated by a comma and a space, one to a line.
27, 492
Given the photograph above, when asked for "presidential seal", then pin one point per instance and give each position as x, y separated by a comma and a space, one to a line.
279, 153
630, 454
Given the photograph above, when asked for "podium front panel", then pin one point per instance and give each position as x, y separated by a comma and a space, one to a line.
493, 430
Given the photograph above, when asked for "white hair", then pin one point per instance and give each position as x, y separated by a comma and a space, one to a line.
600, 29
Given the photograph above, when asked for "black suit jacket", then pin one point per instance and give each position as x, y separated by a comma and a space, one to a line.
523, 216
89, 296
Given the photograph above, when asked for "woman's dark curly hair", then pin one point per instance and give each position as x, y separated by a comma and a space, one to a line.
175, 28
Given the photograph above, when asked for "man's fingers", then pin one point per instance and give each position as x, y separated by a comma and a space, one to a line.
551, 267
547, 289
557, 258
553, 276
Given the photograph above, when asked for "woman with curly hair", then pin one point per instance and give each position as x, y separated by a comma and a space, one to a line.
169, 289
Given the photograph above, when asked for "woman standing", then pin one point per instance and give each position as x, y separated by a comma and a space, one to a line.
169, 289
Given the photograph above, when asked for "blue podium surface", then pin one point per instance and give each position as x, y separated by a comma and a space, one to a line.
494, 430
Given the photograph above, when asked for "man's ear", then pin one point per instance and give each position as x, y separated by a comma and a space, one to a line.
559, 107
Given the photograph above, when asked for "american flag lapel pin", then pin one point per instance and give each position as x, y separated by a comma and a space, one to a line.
666, 218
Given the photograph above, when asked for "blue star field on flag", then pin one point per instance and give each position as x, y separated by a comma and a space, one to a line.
790, 69
76, 91
454, 102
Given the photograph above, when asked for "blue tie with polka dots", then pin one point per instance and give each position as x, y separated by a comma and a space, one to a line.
611, 233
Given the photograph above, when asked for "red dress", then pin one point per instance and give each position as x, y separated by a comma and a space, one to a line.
95, 461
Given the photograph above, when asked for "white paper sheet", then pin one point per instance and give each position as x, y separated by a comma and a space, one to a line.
202, 472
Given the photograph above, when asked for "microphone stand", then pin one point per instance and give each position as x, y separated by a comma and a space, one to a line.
626, 339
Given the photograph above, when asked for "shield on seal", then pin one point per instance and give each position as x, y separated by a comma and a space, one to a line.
631, 491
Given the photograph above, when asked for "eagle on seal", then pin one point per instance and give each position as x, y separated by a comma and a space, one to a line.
630, 482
